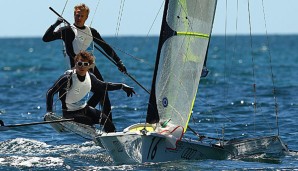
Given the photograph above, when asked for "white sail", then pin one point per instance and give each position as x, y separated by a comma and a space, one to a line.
188, 25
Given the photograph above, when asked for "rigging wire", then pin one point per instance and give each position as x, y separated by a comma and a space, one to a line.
92, 43
272, 76
233, 53
253, 59
235, 43
63, 44
226, 25
225, 62
255, 104
119, 17
227, 79
253, 65
161, 7
118, 29
121, 9
64, 7
94, 13
64, 54
147, 36
210, 110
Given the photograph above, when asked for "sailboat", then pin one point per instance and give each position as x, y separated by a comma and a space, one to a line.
183, 44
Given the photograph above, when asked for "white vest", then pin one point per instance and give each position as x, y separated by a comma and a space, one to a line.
83, 39
78, 93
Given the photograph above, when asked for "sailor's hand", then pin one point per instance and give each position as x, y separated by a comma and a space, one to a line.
121, 66
129, 90
58, 21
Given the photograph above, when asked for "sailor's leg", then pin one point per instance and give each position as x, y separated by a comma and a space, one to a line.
101, 97
100, 118
79, 116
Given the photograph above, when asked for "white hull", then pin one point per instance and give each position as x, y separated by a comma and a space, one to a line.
136, 147
82, 130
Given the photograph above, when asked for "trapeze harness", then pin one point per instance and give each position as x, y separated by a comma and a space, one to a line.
76, 103
83, 39
78, 94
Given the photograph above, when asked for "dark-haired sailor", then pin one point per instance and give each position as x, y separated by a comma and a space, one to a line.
74, 88
81, 37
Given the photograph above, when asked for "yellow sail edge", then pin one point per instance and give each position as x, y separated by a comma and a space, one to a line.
197, 34
190, 111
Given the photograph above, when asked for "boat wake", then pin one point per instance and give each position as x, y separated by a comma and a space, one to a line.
21, 152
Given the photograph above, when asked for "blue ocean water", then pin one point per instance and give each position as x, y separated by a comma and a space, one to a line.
225, 103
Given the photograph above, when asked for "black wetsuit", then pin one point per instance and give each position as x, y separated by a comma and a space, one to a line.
88, 115
68, 35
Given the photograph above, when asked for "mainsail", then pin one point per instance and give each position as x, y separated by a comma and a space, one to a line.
184, 37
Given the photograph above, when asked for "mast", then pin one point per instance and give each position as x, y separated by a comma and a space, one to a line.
152, 112
205, 70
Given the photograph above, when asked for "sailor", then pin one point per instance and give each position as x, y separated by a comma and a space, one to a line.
74, 87
79, 37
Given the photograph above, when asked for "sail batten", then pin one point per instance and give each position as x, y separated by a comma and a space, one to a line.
202, 35
184, 39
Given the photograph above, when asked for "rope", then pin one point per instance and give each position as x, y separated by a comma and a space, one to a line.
63, 44
119, 17
161, 7
272, 76
67, 89
253, 65
142, 45
64, 7
102, 111
94, 13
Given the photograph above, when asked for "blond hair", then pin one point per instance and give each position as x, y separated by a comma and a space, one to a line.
82, 7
